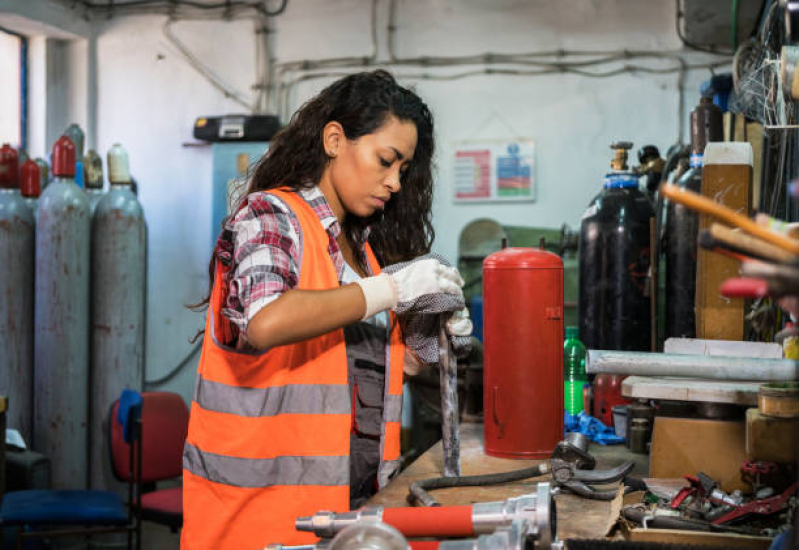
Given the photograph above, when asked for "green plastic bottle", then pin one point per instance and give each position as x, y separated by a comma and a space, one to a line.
574, 377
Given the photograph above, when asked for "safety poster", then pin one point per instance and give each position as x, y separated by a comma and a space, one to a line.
494, 171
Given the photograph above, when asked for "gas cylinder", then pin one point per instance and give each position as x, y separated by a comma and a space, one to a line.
614, 263
75, 135
522, 352
16, 305
606, 389
61, 350
682, 227
30, 185
118, 284
93, 178
9, 167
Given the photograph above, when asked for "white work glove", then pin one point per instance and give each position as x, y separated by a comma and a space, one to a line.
459, 323
427, 276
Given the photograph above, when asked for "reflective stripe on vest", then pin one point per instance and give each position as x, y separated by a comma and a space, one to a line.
269, 431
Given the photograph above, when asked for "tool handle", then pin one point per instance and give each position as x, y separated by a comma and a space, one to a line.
424, 544
701, 204
441, 521
750, 244
744, 287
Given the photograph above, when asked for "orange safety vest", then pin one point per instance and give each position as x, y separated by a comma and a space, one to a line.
269, 433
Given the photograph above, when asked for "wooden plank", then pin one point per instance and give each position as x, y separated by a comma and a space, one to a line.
726, 179
691, 389
727, 540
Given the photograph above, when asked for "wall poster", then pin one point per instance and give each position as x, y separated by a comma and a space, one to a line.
494, 171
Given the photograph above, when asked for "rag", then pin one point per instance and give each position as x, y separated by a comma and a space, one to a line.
423, 316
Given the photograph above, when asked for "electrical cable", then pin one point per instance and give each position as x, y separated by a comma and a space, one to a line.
203, 69
172, 5
175, 370
554, 69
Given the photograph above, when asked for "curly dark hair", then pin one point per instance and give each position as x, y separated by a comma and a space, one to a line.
361, 103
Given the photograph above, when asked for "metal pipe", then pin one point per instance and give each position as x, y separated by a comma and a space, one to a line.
691, 366
448, 368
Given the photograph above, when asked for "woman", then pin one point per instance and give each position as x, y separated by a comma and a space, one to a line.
299, 390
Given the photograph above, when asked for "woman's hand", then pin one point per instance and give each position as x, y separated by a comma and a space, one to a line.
418, 278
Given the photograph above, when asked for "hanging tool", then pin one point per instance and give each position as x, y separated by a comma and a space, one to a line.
538, 509
568, 465
722, 213
750, 245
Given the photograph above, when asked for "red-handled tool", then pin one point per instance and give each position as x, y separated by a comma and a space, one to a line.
442, 521
537, 509
744, 287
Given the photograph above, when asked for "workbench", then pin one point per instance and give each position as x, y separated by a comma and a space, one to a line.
576, 517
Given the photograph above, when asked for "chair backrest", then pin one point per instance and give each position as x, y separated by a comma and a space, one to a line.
165, 423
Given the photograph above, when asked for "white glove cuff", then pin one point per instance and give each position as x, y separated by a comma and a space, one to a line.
380, 293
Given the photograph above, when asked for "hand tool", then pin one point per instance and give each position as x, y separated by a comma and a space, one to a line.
706, 206
750, 245
537, 509
566, 465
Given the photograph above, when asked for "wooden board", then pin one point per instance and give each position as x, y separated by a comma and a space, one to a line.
576, 517
691, 389
726, 179
726, 540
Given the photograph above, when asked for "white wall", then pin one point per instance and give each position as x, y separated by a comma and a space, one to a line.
148, 98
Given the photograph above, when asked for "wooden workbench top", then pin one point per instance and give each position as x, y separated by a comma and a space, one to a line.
576, 517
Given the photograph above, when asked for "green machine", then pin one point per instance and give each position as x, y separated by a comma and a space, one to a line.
484, 236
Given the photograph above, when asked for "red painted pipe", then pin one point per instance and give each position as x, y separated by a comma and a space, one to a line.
424, 544
440, 521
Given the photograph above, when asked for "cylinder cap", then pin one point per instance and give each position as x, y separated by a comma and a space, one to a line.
64, 158
9, 167
93, 170
74, 133
118, 171
522, 258
30, 183
572, 332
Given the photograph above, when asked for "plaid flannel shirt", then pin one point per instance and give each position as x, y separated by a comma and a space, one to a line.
262, 244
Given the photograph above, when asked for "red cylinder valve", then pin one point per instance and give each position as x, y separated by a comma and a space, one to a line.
30, 184
522, 352
64, 158
9, 167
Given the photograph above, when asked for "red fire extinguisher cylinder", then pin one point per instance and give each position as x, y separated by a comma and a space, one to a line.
522, 353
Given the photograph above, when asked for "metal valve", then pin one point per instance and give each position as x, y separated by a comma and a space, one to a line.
620, 162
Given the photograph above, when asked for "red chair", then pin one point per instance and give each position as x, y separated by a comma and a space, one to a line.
165, 423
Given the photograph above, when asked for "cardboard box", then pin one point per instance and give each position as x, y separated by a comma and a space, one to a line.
687, 446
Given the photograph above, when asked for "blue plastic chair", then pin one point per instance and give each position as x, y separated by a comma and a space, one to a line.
51, 513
